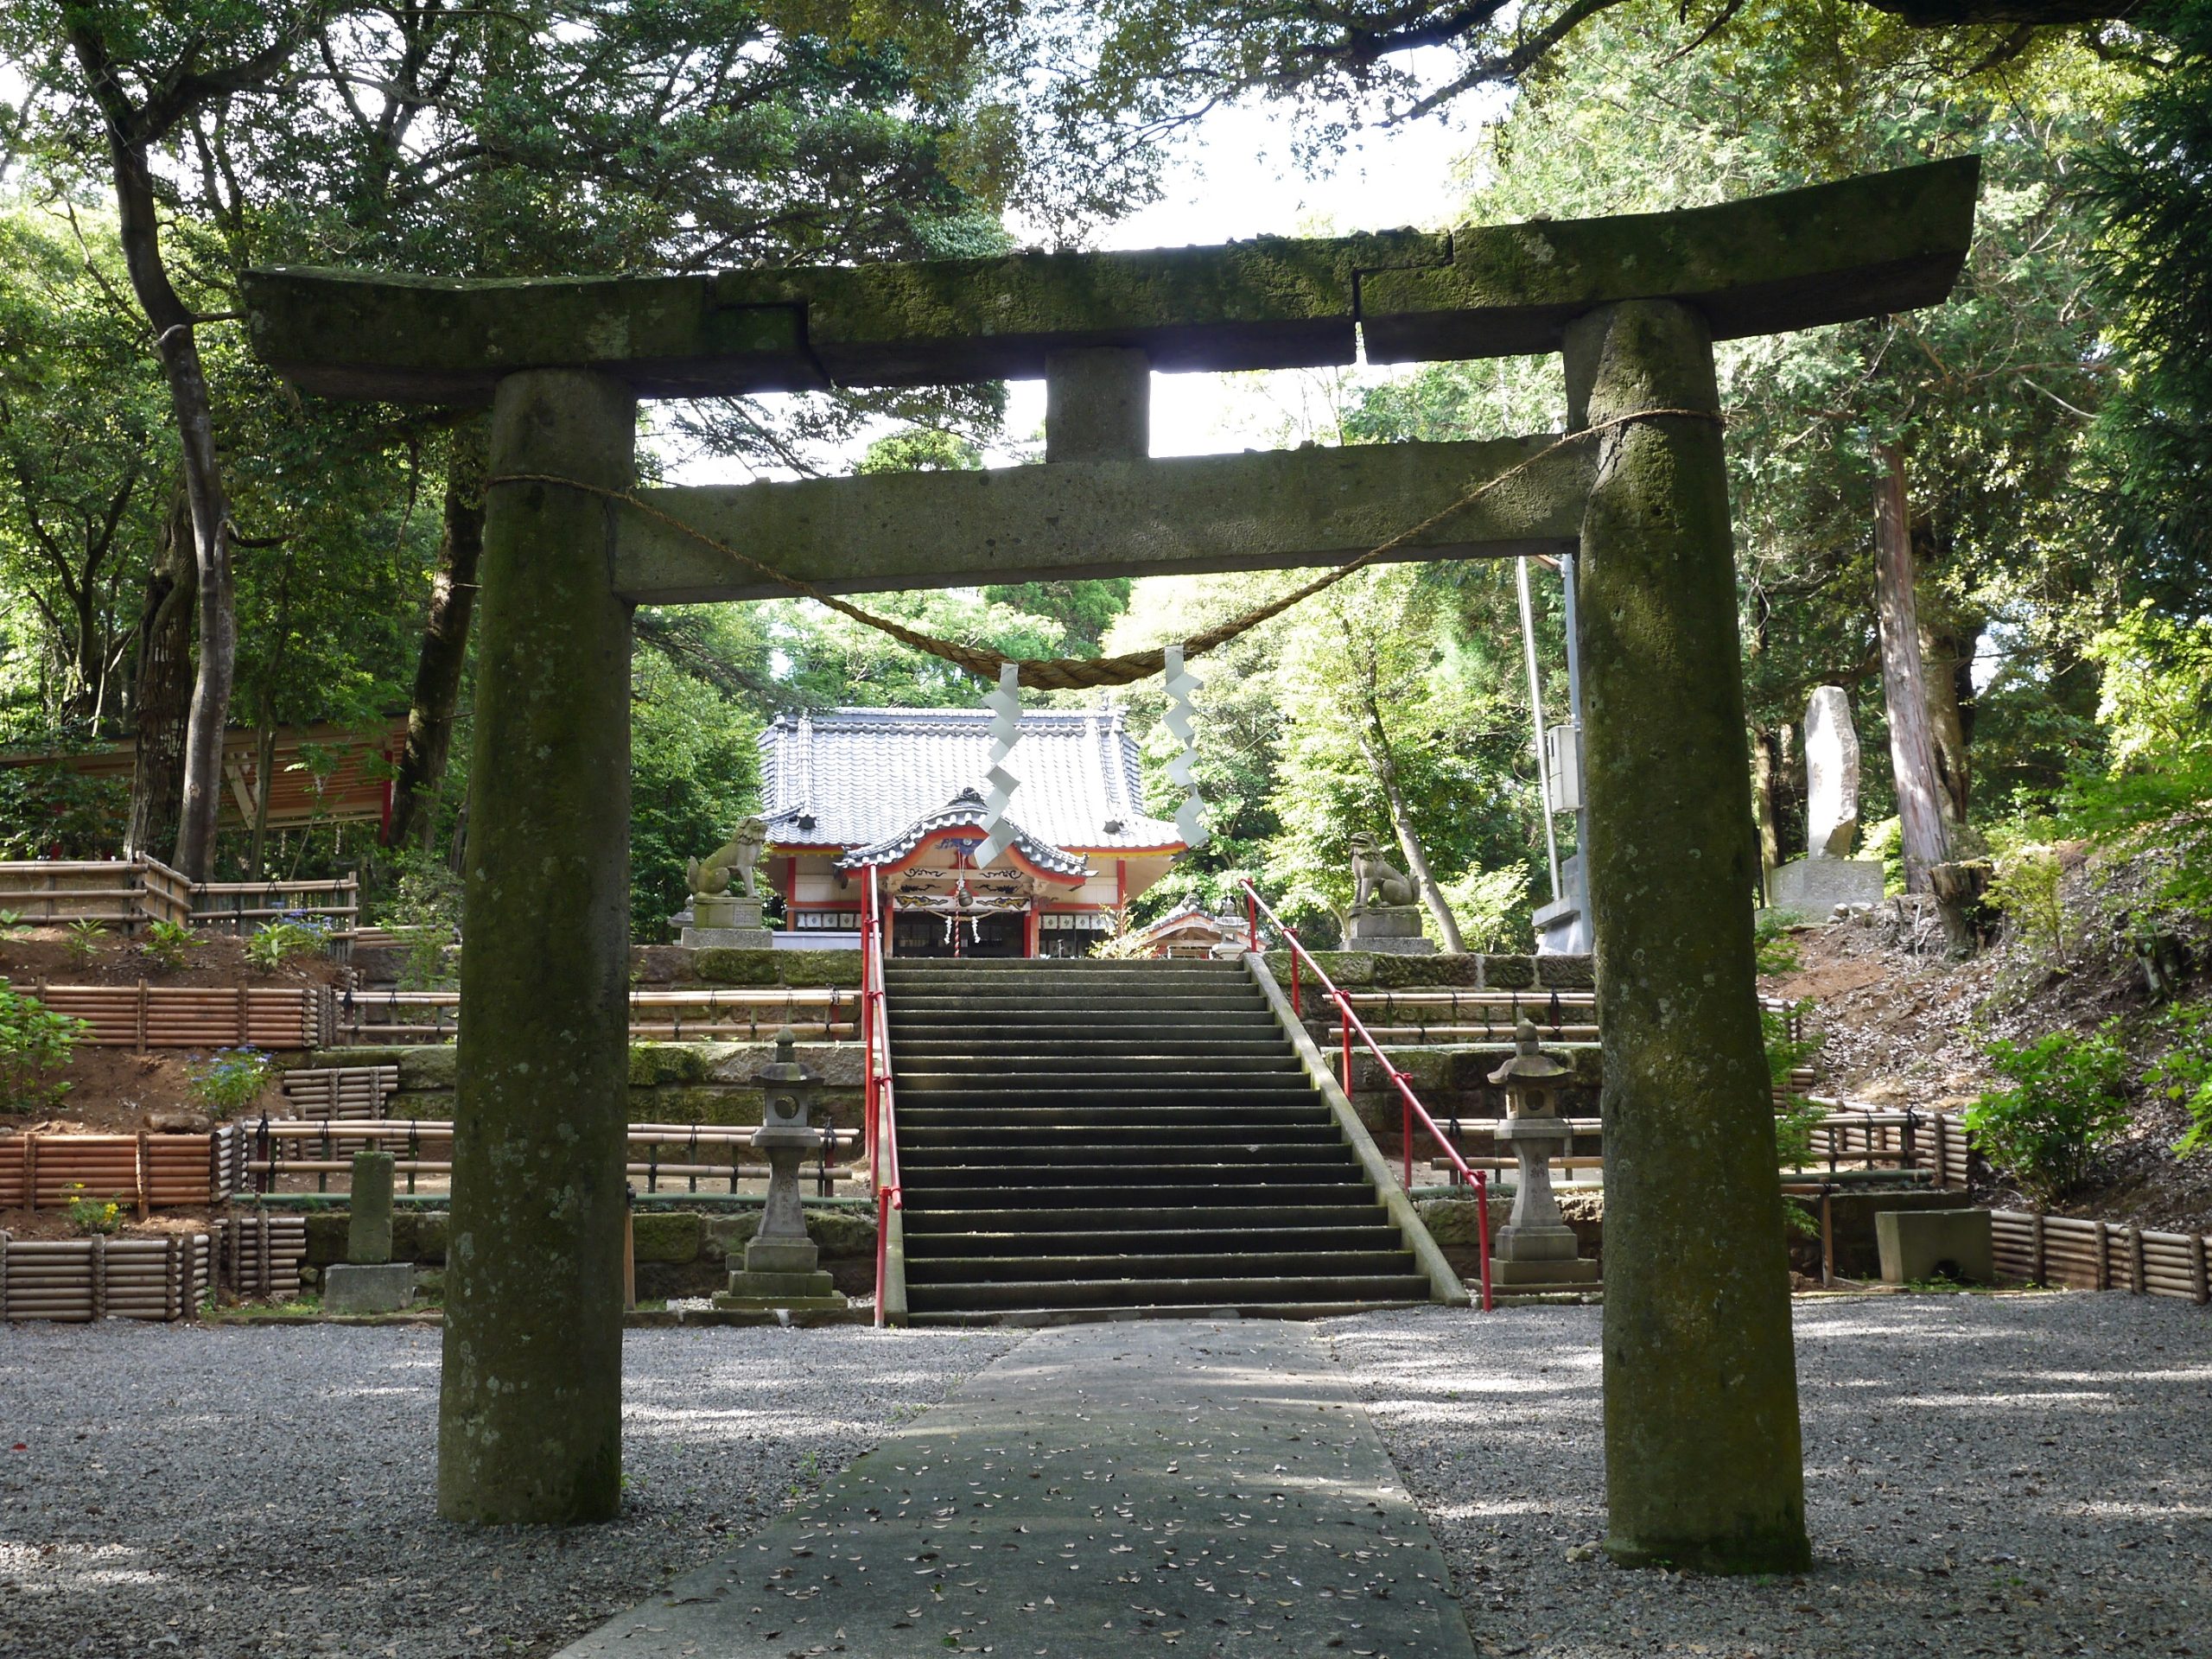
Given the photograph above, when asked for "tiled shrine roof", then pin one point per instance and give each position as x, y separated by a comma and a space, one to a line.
860, 778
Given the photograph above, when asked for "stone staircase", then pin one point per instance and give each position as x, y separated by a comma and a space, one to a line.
1086, 1139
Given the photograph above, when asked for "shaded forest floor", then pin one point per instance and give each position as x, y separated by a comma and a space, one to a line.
1901, 1025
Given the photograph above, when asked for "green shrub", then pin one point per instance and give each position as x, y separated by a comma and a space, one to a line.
230, 1079
2026, 891
90, 1215
1777, 950
34, 1042
424, 915
282, 940
83, 940
2183, 1073
167, 944
1785, 1053
2064, 1106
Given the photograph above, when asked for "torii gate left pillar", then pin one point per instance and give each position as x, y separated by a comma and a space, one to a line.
1703, 1464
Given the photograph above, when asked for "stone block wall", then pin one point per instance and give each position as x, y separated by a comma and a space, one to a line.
1374, 970
678, 1252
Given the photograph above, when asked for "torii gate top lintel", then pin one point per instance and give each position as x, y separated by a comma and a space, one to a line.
1800, 258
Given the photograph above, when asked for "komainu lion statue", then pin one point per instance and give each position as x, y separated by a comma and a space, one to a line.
736, 858
1376, 880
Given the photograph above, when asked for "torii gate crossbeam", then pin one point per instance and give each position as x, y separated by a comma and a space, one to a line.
1703, 1458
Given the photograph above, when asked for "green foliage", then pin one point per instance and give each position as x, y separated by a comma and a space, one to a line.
90, 1215
283, 940
82, 939
2183, 1074
2028, 890
229, 1080
424, 913
2156, 801
168, 944
34, 1042
693, 772
1491, 906
2064, 1106
1775, 951
1785, 1053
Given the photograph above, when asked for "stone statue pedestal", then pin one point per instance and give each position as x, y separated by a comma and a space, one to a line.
1535, 1246
721, 920
1814, 887
1392, 928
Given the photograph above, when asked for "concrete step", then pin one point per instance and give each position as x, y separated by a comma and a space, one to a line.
1184, 1043
1023, 1317
1189, 1082
919, 1114
1033, 1007
1205, 1291
1275, 1216
941, 1245
1110, 1190
1157, 1139
1197, 1162
1041, 1267
1061, 967
995, 1022
909, 1064
966, 1091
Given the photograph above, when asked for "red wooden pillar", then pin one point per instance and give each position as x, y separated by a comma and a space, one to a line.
1032, 924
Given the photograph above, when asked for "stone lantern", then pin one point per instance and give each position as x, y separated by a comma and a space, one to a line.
780, 1268
1535, 1246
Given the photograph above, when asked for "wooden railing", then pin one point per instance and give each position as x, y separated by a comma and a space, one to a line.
880, 1107
1409, 1103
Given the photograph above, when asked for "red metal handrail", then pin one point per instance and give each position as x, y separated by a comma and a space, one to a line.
879, 1100
1409, 1102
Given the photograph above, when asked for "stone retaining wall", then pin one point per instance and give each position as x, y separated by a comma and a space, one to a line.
678, 1252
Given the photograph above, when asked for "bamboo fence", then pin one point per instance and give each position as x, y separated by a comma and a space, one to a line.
98, 1277
123, 893
143, 1016
423, 1149
258, 1255
2045, 1250
341, 1091
242, 907
145, 1171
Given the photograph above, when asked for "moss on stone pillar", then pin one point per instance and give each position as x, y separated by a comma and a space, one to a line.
530, 1410
1704, 1467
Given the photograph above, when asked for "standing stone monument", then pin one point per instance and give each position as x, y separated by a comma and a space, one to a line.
1535, 1246
1828, 875
368, 1280
719, 918
1383, 914
780, 1266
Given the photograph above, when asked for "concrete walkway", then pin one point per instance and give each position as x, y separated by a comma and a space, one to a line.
1147, 1486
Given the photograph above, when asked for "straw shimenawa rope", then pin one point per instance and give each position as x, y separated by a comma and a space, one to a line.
1078, 673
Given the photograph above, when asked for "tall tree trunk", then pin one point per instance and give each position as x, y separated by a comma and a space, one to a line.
138, 231
445, 640
1912, 749
1763, 769
1948, 639
1384, 765
161, 688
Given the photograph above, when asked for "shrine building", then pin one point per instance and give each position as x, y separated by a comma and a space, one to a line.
903, 790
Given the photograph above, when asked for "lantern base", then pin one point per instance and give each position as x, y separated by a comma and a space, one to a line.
1517, 1275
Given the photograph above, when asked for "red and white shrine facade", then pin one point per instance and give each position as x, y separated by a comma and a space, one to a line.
901, 790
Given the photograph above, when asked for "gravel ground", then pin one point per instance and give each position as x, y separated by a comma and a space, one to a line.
269, 1491
1983, 1475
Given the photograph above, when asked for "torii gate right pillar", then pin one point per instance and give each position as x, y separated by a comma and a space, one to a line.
1703, 1462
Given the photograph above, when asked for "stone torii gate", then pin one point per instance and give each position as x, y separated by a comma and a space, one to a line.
1703, 1458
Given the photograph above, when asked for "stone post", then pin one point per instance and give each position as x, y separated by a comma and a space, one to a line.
368, 1210
530, 1411
1704, 1467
